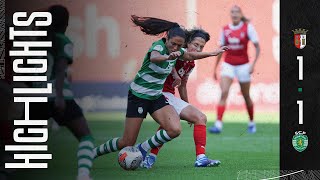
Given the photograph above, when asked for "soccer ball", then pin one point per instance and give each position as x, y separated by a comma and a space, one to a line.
129, 158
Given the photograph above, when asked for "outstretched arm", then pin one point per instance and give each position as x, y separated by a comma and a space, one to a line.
190, 56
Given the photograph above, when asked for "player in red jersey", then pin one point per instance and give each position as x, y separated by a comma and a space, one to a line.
195, 42
236, 64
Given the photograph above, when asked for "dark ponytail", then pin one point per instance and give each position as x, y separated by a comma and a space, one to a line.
154, 26
196, 32
245, 19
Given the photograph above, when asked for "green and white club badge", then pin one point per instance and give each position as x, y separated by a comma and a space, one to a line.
300, 141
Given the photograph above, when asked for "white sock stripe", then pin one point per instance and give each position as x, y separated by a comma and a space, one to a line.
153, 139
159, 137
84, 161
108, 147
86, 144
166, 135
114, 143
83, 171
101, 149
85, 152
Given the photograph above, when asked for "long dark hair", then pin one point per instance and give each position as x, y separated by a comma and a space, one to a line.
196, 32
154, 26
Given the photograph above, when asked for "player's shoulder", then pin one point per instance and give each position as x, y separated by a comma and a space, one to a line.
227, 26
158, 46
62, 38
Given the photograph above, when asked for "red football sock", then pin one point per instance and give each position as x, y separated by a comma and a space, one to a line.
156, 150
220, 110
250, 112
200, 139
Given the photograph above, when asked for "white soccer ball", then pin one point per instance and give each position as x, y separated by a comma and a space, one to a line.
129, 158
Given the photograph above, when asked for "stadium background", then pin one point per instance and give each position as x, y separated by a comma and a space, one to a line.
109, 49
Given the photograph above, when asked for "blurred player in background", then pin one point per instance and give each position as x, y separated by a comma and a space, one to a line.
236, 64
145, 92
195, 42
61, 105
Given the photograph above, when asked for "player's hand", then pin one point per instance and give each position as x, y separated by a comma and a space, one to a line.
174, 55
221, 50
60, 104
177, 81
251, 70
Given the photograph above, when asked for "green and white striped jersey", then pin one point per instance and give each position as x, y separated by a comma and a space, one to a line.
63, 49
149, 81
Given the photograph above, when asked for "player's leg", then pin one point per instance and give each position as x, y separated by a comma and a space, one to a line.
245, 90
75, 121
227, 75
131, 132
196, 117
243, 75
172, 101
168, 118
137, 110
225, 84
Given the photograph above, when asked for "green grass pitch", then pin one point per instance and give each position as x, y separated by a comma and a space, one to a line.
237, 150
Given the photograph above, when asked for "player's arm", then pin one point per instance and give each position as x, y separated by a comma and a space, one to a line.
253, 36
257, 47
60, 69
183, 89
190, 56
176, 77
156, 57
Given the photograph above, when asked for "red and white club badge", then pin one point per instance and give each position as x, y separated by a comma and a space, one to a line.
300, 38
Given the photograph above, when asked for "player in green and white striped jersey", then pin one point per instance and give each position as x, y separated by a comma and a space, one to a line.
61, 105
145, 92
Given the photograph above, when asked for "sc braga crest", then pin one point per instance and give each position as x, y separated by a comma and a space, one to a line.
300, 38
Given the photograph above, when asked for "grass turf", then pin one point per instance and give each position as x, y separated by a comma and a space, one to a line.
237, 150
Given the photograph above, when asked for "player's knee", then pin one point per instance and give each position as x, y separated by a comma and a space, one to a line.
202, 119
174, 132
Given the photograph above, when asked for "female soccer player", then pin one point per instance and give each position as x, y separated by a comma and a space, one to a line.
61, 105
195, 42
145, 92
236, 36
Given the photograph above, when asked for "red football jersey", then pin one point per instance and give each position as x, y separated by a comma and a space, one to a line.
183, 68
237, 41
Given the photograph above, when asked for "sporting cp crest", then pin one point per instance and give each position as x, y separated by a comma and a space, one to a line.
300, 38
300, 141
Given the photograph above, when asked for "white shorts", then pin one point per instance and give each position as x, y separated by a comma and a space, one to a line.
240, 71
177, 103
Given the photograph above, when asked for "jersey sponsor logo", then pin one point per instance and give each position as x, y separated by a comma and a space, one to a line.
181, 72
300, 38
140, 110
300, 141
233, 40
158, 48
